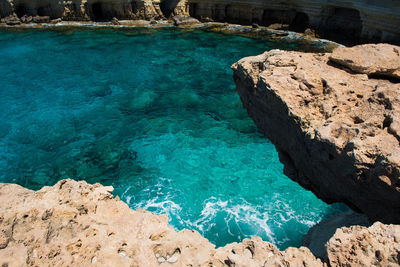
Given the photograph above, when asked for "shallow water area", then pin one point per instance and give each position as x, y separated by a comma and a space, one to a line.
155, 114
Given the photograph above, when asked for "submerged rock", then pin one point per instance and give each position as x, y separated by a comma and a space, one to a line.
337, 130
75, 224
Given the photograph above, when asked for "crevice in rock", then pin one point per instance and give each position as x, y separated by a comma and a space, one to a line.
337, 65
383, 76
387, 122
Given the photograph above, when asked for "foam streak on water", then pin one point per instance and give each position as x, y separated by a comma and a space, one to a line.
155, 114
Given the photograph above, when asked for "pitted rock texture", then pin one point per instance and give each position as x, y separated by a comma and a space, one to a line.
337, 132
378, 245
77, 224
379, 59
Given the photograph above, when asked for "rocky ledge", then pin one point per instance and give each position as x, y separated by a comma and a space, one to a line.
334, 119
77, 224
342, 20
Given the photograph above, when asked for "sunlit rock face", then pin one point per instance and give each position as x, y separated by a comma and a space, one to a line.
74, 223
78, 224
334, 120
369, 20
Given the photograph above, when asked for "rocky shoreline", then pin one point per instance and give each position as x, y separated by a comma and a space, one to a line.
333, 118
74, 224
307, 42
350, 19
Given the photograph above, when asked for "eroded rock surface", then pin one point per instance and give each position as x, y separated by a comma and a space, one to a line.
337, 131
77, 224
378, 245
379, 59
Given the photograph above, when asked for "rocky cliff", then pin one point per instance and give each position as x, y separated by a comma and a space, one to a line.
77, 224
334, 119
346, 19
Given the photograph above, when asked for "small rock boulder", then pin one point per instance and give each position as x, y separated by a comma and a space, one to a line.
183, 20
26, 19
370, 59
279, 26
12, 20
41, 19
55, 21
378, 245
310, 32
115, 21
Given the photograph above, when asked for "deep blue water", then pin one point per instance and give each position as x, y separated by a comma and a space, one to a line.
156, 115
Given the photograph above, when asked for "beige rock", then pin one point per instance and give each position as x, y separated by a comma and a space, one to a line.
336, 132
378, 245
77, 224
379, 59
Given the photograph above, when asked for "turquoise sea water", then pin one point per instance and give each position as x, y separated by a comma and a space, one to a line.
156, 115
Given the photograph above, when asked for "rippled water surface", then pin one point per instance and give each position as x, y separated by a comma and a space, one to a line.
156, 115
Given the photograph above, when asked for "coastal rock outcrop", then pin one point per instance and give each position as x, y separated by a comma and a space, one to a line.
339, 20
378, 245
379, 59
348, 19
76, 224
318, 235
334, 119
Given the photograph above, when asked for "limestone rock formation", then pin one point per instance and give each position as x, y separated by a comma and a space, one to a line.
378, 245
345, 19
77, 224
183, 20
337, 131
12, 20
372, 20
318, 235
379, 59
